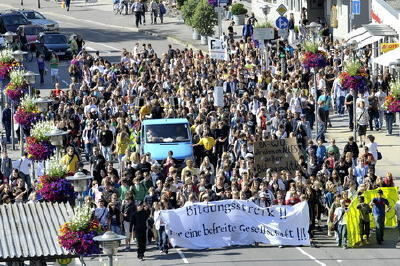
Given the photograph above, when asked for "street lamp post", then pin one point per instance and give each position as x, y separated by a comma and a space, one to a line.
43, 105
353, 48
80, 182
31, 79
19, 57
109, 241
266, 9
313, 27
56, 139
9, 38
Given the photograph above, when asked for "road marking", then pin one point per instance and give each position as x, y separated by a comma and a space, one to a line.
105, 45
182, 256
90, 48
339, 261
310, 256
66, 83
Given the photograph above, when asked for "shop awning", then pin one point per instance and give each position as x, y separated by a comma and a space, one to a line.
389, 58
370, 33
29, 230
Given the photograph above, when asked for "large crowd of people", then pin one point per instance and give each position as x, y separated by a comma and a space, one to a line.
105, 104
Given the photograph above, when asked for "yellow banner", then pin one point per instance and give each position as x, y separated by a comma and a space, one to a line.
353, 215
386, 47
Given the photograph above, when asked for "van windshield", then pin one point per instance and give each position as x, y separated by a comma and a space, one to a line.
167, 133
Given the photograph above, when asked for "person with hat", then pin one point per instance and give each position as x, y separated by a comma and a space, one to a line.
379, 210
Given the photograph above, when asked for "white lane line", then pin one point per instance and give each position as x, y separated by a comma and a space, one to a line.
310, 256
182, 256
66, 83
90, 48
339, 261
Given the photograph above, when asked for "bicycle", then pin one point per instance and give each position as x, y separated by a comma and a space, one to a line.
117, 8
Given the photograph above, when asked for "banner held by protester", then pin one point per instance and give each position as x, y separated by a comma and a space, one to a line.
277, 155
236, 222
353, 214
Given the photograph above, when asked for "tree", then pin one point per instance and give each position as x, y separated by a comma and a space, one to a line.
188, 10
204, 18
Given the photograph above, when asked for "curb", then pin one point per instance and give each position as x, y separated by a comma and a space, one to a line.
173, 39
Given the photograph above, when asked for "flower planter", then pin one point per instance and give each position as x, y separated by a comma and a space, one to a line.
195, 35
239, 19
204, 40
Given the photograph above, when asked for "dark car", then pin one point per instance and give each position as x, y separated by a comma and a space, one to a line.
55, 42
10, 21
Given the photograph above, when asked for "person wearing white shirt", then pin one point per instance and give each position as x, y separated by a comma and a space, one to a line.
381, 95
373, 147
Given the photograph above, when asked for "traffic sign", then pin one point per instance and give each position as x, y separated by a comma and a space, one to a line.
281, 9
282, 23
356, 7
264, 34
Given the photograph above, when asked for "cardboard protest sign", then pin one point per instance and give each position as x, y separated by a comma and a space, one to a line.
279, 154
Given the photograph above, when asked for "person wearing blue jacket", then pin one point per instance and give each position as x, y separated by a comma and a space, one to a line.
247, 30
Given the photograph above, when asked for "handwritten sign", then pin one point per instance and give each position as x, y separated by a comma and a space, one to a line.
278, 155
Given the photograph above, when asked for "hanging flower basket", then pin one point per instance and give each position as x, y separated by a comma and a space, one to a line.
24, 118
392, 101
27, 113
77, 234
314, 60
6, 62
38, 150
53, 186
312, 57
15, 93
354, 77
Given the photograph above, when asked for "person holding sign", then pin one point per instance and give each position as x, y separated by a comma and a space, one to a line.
379, 212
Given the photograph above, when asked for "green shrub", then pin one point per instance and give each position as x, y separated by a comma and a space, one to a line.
188, 10
204, 18
238, 9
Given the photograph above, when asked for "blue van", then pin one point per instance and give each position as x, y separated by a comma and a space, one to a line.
158, 136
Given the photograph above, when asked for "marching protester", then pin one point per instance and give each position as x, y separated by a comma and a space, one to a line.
380, 206
271, 106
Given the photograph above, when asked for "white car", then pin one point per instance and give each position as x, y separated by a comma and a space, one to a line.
38, 19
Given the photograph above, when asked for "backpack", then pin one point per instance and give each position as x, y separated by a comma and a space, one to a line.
162, 9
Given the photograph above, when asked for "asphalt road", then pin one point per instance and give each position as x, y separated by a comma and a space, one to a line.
101, 31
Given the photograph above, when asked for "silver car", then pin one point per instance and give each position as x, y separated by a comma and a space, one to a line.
38, 19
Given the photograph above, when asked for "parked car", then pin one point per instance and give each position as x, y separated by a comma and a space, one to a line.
31, 32
11, 20
55, 42
38, 19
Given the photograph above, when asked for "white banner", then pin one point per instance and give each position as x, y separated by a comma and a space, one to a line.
236, 222
217, 49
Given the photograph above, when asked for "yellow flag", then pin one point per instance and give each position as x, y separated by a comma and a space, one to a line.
353, 214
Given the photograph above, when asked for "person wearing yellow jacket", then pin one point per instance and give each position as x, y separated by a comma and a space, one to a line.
121, 144
70, 160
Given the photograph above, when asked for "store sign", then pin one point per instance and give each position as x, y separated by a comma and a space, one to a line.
386, 47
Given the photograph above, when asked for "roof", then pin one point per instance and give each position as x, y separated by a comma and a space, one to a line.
29, 230
370, 33
394, 3
165, 121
